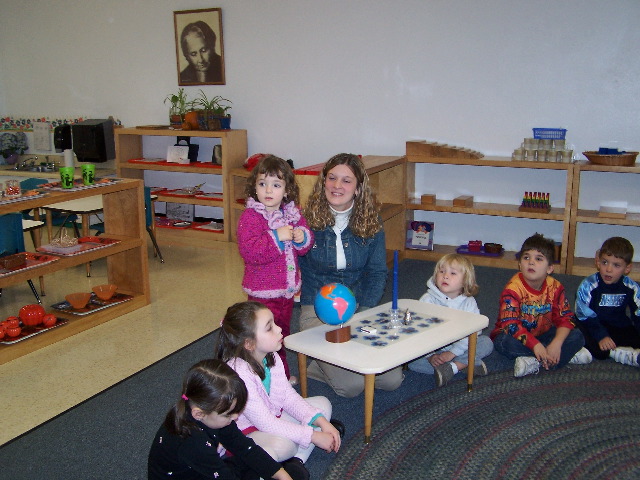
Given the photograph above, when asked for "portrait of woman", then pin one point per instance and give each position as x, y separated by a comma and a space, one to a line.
199, 50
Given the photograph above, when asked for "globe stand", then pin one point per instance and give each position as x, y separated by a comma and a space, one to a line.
339, 335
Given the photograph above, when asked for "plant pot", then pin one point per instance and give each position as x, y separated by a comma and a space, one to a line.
208, 120
11, 159
192, 119
175, 121
225, 123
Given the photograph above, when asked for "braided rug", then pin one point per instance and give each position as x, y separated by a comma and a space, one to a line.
579, 422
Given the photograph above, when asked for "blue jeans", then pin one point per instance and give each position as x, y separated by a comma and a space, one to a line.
483, 348
513, 348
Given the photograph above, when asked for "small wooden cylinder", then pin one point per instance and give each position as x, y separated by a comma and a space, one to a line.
339, 335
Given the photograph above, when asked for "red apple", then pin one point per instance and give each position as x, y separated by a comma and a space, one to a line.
1, 333
13, 331
31, 315
49, 320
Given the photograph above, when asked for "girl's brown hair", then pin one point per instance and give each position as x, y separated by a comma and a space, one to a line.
469, 285
365, 217
239, 325
277, 167
210, 385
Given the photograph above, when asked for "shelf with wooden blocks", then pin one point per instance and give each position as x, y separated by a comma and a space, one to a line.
607, 216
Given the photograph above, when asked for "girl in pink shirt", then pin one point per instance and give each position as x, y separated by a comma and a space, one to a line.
276, 417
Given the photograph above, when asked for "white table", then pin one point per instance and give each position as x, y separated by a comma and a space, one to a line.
369, 360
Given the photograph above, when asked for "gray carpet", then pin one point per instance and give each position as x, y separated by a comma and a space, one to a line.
109, 435
577, 422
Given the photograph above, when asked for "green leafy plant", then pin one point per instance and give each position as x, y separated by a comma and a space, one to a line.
214, 104
179, 103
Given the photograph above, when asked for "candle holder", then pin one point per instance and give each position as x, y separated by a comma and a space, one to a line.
395, 318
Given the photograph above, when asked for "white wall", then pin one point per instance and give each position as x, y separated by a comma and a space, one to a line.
312, 78
308, 79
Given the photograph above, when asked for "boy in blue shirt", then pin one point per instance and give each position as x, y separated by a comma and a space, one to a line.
608, 305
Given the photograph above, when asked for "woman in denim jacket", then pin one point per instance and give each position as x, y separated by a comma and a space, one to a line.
349, 248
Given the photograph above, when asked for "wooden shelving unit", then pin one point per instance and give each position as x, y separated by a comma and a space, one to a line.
387, 178
584, 266
129, 146
127, 263
423, 153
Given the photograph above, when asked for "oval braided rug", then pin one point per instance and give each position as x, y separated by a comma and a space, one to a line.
580, 422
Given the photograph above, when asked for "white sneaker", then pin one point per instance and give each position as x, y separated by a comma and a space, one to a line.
582, 357
626, 355
525, 366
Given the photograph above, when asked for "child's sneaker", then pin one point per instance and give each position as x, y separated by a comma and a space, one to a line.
443, 374
582, 357
626, 355
480, 370
525, 366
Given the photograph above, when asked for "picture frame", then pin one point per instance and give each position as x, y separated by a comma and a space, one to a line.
199, 46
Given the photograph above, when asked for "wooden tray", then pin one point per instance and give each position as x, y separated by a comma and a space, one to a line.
464, 250
85, 244
32, 260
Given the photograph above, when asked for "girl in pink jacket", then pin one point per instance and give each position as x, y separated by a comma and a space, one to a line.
276, 417
271, 234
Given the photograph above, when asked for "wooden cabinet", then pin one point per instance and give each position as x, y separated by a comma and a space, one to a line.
580, 215
127, 264
387, 178
129, 146
422, 153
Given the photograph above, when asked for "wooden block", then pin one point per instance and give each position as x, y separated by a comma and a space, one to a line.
612, 212
463, 201
428, 199
339, 335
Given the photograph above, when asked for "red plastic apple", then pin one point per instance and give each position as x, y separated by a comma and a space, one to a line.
49, 320
11, 322
13, 331
31, 315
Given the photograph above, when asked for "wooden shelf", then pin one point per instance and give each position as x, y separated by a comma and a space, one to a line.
127, 263
129, 146
494, 209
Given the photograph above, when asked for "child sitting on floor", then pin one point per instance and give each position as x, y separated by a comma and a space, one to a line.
453, 285
602, 302
535, 323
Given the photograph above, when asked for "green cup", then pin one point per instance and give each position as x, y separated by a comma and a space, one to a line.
88, 173
66, 176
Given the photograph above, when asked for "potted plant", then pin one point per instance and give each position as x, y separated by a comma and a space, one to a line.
179, 106
213, 112
12, 145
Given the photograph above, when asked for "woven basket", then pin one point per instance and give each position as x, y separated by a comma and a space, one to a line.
627, 159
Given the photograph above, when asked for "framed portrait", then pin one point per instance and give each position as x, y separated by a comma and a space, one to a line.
199, 48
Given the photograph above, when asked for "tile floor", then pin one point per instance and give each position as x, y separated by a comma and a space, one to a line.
189, 294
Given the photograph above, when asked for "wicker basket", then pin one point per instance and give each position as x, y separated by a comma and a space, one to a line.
626, 159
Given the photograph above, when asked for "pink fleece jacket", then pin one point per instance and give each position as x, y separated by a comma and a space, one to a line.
270, 266
263, 409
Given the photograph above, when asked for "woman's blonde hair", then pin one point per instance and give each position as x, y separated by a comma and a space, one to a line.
365, 216
469, 285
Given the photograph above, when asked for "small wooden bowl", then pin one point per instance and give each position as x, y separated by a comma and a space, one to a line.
78, 300
627, 159
105, 292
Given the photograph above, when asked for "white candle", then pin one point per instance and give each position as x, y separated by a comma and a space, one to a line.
68, 158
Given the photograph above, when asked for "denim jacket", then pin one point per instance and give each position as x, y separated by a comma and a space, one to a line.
365, 273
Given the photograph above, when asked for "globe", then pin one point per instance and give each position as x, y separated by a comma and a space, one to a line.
335, 304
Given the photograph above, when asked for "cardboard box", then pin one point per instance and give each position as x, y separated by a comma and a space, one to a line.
463, 201
420, 235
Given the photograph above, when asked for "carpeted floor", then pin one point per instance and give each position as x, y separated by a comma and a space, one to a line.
576, 423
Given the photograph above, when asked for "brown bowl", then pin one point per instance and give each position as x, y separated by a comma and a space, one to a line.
105, 292
627, 159
78, 300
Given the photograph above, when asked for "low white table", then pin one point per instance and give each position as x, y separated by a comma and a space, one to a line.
370, 360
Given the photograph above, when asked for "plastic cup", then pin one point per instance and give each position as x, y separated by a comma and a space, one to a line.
12, 189
88, 173
66, 177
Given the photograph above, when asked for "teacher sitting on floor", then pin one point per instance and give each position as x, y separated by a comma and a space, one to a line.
349, 248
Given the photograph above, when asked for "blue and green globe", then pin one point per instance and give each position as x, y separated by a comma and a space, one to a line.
335, 304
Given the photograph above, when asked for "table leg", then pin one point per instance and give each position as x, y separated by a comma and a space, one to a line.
49, 222
369, 383
302, 371
473, 340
